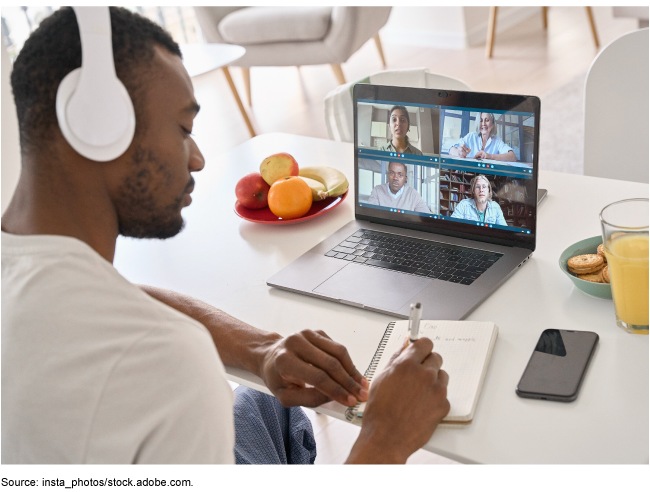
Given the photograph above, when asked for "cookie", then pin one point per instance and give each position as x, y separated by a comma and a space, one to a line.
601, 252
596, 277
605, 274
582, 264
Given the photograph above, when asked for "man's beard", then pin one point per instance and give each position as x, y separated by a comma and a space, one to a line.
481, 200
139, 214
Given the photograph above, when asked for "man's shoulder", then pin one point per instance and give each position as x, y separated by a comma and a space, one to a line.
63, 283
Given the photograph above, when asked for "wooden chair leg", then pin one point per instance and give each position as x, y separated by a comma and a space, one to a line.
246, 75
381, 51
226, 72
492, 24
545, 17
338, 72
593, 26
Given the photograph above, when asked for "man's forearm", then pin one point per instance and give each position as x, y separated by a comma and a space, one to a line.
239, 344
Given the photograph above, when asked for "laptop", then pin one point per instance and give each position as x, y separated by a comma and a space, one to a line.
444, 218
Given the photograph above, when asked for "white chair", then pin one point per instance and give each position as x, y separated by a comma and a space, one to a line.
338, 103
616, 110
293, 36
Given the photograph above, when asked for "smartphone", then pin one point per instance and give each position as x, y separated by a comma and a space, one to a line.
558, 365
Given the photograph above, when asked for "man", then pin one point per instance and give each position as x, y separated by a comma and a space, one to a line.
395, 194
480, 208
97, 370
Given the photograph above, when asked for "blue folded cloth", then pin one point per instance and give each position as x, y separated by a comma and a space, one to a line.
268, 433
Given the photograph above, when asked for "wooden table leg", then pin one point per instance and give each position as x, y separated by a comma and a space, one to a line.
593, 26
492, 24
545, 17
226, 72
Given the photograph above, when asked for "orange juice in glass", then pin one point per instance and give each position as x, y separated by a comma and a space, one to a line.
625, 238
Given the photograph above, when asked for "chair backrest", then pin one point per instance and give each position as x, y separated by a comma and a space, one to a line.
616, 110
338, 103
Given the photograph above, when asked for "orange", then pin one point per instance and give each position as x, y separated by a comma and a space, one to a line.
290, 197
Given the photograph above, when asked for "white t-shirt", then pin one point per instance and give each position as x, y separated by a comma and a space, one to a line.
96, 371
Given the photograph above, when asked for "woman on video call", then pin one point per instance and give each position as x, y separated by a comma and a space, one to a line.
484, 144
480, 207
399, 124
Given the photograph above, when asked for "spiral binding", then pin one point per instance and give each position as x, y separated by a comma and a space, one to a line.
351, 412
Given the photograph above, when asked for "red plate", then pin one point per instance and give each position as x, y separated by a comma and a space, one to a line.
265, 216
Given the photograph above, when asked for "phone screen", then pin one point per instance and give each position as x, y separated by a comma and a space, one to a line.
557, 367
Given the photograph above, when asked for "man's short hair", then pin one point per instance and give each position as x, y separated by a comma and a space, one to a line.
54, 50
472, 184
401, 164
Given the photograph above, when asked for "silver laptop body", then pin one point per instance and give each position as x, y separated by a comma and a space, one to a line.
339, 271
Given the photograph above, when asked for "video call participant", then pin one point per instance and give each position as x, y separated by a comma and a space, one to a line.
98, 370
395, 193
399, 124
484, 144
480, 207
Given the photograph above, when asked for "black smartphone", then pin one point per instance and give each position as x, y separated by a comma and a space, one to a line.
558, 365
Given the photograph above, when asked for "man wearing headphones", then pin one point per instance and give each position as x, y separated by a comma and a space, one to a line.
96, 369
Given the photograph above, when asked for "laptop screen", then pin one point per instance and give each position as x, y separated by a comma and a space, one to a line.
457, 162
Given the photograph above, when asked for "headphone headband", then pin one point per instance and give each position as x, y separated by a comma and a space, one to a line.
93, 108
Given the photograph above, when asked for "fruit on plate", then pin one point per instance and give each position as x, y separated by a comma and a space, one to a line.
290, 198
252, 191
334, 180
278, 166
316, 187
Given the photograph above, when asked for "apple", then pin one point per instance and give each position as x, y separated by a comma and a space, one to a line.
252, 191
278, 166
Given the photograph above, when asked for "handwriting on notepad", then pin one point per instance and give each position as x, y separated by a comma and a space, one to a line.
431, 327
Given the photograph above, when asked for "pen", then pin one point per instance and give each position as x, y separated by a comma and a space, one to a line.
414, 321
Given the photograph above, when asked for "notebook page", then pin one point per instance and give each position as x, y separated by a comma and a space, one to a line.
463, 345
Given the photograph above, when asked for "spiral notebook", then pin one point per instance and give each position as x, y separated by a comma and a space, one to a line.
466, 348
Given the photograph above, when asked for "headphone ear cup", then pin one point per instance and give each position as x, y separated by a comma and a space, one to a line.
83, 128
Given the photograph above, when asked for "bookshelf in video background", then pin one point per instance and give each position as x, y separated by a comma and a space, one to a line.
507, 192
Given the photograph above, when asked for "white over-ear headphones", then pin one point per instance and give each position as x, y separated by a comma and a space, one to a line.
94, 110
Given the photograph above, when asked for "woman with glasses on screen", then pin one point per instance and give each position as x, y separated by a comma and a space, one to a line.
480, 207
484, 144
399, 124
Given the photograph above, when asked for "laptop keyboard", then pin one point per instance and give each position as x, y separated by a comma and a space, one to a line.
415, 256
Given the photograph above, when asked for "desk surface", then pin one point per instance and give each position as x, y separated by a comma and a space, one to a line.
226, 261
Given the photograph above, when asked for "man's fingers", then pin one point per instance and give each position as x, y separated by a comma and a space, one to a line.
418, 350
433, 360
321, 340
305, 397
443, 377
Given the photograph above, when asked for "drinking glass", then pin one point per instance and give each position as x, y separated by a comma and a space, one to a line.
625, 240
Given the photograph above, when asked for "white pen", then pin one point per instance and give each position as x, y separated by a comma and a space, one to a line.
414, 321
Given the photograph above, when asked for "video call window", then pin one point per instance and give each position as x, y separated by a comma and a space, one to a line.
510, 136
398, 128
486, 198
399, 185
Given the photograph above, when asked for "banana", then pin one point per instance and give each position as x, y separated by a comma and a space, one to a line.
334, 181
317, 188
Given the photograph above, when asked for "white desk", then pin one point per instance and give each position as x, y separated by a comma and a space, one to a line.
225, 261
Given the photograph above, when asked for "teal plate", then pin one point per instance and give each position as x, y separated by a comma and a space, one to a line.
586, 246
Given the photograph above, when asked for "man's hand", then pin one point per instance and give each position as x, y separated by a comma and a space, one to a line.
407, 402
481, 154
309, 368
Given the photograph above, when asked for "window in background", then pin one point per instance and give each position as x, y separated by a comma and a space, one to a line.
19, 22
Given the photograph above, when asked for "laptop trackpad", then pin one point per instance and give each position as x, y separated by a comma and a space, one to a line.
374, 287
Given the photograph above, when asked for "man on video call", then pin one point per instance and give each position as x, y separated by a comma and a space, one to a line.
98, 370
395, 193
